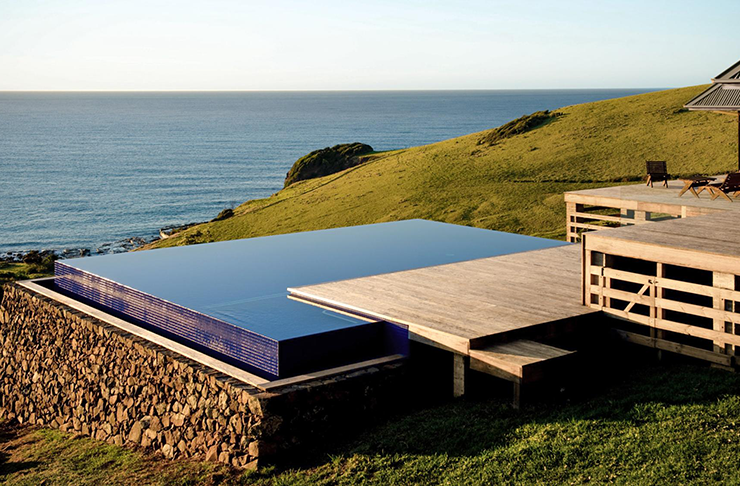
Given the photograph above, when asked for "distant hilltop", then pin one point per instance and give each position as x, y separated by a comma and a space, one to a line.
509, 178
327, 161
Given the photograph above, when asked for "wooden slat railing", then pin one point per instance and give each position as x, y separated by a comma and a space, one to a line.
586, 218
651, 295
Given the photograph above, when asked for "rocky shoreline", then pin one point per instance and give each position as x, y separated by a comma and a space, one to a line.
120, 246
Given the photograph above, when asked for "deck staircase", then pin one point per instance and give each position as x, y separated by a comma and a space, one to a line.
520, 362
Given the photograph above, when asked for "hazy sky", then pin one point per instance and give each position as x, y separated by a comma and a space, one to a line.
401, 44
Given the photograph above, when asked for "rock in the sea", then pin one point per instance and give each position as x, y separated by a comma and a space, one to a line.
517, 127
327, 161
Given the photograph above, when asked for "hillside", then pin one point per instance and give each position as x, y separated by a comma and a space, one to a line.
515, 184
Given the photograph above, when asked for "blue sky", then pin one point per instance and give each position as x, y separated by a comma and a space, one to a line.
402, 44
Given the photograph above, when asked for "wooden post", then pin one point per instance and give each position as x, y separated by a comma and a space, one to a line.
569, 210
571, 231
657, 313
641, 216
633, 216
626, 216
585, 273
516, 401
722, 281
602, 282
459, 370
606, 282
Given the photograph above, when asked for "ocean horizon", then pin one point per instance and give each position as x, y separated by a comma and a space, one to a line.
87, 169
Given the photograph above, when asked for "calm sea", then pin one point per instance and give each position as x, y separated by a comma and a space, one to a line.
78, 170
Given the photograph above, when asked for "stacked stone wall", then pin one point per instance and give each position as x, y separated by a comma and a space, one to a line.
64, 369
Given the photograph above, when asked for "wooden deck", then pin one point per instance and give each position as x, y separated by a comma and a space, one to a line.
679, 280
708, 243
487, 311
676, 280
595, 209
466, 305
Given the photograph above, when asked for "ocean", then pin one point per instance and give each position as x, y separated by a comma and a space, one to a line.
84, 170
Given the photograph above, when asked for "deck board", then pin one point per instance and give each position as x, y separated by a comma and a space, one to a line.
468, 300
515, 359
710, 234
642, 197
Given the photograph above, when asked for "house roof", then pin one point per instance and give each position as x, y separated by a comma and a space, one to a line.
722, 95
733, 72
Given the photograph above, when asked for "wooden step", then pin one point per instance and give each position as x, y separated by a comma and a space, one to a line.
521, 361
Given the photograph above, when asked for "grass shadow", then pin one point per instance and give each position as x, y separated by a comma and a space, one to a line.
469, 427
7, 468
8, 434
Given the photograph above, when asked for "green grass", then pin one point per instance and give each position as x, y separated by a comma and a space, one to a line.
514, 185
20, 271
30, 456
675, 424
643, 429
10, 272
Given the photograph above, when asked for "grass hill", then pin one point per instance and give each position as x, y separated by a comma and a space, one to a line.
510, 183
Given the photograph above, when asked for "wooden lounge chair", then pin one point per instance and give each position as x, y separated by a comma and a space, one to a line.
695, 182
657, 172
731, 185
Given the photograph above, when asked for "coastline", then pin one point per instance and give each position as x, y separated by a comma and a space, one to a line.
141, 176
120, 246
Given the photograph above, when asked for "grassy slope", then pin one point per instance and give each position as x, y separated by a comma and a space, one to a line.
642, 429
514, 186
10, 272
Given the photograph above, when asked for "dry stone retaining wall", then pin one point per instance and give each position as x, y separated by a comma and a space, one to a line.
61, 368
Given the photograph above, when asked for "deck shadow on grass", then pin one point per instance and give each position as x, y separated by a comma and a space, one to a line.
469, 427
631, 390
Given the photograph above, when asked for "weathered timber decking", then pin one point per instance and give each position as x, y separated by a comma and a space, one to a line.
679, 280
515, 361
710, 242
485, 311
467, 305
636, 204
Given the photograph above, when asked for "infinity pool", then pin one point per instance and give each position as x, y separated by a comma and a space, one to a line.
229, 298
